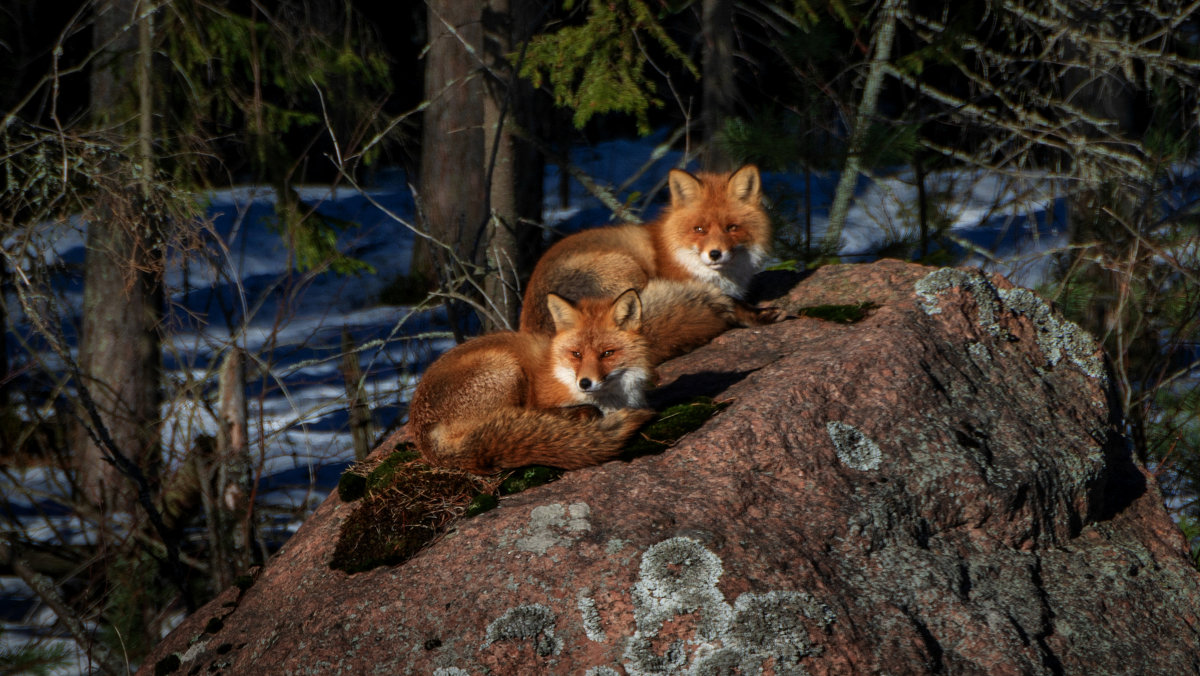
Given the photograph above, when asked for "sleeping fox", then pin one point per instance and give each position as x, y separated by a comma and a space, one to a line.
510, 399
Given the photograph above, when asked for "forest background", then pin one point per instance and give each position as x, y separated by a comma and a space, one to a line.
126, 122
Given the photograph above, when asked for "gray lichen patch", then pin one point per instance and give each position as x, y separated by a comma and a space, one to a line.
855, 449
980, 353
554, 524
1057, 336
533, 622
929, 287
768, 626
679, 578
591, 620
773, 623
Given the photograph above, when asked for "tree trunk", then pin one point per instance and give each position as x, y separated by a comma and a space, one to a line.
120, 357
228, 480
452, 150
514, 166
831, 241
719, 87
361, 431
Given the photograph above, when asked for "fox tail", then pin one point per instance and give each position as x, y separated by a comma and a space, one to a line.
508, 437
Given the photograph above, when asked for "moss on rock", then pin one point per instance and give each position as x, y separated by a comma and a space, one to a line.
671, 424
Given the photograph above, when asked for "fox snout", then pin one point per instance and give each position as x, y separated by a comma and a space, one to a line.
718, 256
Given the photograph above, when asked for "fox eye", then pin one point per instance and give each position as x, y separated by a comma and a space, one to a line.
606, 354
575, 353
699, 229
732, 227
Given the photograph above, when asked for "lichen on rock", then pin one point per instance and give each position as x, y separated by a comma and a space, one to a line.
678, 577
1056, 336
532, 622
855, 449
929, 287
553, 525
592, 626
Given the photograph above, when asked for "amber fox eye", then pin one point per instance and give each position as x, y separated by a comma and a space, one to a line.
732, 227
699, 229
575, 353
606, 354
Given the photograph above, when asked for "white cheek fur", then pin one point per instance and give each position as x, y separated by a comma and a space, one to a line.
733, 277
566, 376
623, 388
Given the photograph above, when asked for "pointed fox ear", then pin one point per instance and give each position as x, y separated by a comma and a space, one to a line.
626, 311
745, 185
685, 188
564, 314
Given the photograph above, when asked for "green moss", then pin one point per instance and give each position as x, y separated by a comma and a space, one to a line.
481, 503
406, 505
842, 314
384, 474
360, 479
403, 504
528, 477
351, 486
667, 427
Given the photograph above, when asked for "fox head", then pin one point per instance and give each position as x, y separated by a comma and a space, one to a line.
717, 228
598, 352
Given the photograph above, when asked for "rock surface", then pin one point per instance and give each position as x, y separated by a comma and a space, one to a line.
939, 487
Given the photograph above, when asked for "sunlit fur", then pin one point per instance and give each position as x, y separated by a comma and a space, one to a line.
597, 357
708, 213
499, 401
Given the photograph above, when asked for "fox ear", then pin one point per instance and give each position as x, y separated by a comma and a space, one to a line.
685, 188
564, 314
627, 311
745, 185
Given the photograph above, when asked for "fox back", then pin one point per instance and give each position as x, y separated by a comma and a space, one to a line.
714, 231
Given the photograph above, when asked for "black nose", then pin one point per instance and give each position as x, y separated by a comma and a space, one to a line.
585, 383
715, 254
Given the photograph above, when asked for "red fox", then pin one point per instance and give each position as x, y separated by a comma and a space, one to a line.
510, 399
715, 231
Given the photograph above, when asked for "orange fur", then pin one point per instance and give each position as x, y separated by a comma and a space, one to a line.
715, 233
512, 399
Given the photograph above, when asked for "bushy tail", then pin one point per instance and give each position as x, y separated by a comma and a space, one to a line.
513, 437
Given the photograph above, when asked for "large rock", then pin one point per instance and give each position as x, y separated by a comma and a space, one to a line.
939, 487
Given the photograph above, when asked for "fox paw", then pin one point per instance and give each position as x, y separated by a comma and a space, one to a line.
769, 315
754, 315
